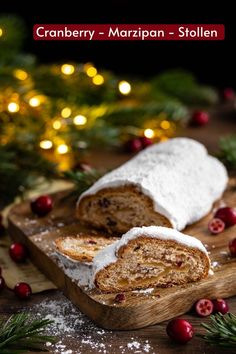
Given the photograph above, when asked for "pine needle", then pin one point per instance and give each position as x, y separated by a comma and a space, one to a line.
221, 330
20, 333
82, 179
228, 151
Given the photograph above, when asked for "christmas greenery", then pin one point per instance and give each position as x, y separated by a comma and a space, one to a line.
20, 333
34, 96
82, 180
57, 111
20, 169
221, 330
227, 153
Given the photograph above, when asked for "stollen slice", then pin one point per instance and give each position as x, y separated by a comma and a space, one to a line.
150, 257
83, 247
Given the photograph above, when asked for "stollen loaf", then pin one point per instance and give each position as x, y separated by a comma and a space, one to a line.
173, 184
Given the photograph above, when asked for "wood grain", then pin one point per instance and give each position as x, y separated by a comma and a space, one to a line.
139, 310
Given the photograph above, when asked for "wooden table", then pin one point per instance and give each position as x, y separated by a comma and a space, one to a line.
223, 122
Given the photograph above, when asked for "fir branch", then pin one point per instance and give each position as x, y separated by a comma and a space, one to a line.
20, 168
20, 333
221, 330
182, 85
137, 115
82, 179
227, 152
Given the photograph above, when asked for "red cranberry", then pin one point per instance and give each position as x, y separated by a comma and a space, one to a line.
228, 94
200, 118
92, 242
145, 142
2, 283
18, 252
232, 247
23, 290
220, 305
133, 145
120, 298
204, 307
42, 205
228, 215
216, 226
180, 330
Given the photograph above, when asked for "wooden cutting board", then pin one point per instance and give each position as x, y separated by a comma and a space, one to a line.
140, 308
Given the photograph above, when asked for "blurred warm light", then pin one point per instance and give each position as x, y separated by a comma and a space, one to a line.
62, 149
34, 101
86, 66
66, 112
80, 120
67, 69
91, 71
20, 74
13, 107
45, 144
149, 133
165, 124
57, 124
164, 138
1, 32
98, 79
124, 87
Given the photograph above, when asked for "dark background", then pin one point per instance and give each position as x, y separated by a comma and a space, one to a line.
212, 62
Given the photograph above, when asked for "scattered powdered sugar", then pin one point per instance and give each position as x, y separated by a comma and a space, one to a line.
81, 273
133, 344
74, 330
143, 291
224, 253
215, 264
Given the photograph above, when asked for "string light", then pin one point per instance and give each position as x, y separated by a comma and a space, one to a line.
80, 120
45, 144
57, 124
67, 69
1, 32
34, 101
13, 107
62, 149
98, 79
66, 112
20, 74
165, 124
149, 133
91, 71
124, 87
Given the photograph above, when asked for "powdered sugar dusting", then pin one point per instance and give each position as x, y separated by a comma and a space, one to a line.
79, 332
144, 291
80, 273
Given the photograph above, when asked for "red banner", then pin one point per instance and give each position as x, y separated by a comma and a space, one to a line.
127, 32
